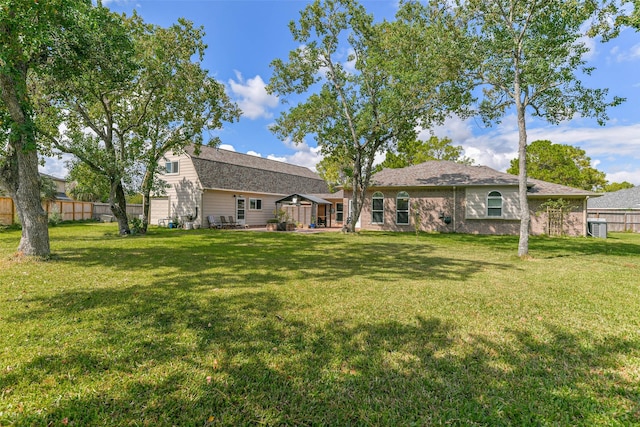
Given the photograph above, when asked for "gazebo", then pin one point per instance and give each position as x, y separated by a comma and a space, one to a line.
306, 209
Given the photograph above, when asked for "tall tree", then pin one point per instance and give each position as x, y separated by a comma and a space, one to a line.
562, 164
149, 96
529, 56
417, 151
37, 39
336, 170
85, 184
97, 115
187, 103
356, 106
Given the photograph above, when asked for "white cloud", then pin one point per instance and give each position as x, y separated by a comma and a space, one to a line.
632, 54
609, 147
590, 44
55, 166
350, 65
227, 147
303, 155
254, 101
277, 158
632, 176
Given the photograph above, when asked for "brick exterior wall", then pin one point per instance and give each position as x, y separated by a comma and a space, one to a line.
435, 205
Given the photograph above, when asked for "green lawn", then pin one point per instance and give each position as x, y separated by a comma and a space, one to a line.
210, 327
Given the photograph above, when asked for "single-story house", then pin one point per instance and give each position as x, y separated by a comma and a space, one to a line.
620, 209
445, 197
219, 182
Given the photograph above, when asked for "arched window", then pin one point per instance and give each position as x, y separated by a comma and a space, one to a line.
377, 208
494, 204
402, 208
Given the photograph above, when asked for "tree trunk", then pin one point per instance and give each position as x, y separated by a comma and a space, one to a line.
118, 204
525, 217
357, 197
147, 183
35, 224
20, 172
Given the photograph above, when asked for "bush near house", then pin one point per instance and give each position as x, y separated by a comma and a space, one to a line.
209, 327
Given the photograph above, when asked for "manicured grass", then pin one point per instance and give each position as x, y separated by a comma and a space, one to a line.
210, 327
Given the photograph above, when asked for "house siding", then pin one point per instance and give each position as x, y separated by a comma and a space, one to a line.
220, 202
158, 210
476, 206
184, 192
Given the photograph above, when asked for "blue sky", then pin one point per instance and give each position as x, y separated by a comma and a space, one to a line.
244, 36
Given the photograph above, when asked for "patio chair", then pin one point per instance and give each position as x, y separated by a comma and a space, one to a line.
212, 222
233, 223
224, 223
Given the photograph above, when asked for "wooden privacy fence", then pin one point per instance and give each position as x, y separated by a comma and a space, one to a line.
68, 210
100, 209
7, 211
618, 220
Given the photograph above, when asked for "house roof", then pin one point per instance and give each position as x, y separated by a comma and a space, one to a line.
223, 169
337, 195
440, 173
622, 199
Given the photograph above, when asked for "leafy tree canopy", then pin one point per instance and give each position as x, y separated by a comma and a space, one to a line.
616, 186
529, 56
85, 184
360, 104
38, 40
561, 164
146, 95
416, 151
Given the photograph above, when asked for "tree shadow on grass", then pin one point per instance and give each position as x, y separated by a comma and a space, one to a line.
250, 259
183, 358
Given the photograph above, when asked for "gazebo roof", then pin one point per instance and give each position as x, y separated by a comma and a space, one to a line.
303, 197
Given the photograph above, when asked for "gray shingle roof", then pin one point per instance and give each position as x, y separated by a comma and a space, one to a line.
223, 169
547, 189
623, 199
304, 197
448, 174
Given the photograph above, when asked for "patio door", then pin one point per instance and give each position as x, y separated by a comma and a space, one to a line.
240, 210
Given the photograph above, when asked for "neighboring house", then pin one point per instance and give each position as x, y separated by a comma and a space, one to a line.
61, 187
221, 182
620, 209
451, 197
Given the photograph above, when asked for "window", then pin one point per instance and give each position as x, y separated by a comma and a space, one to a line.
339, 212
494, 204
377, 208
402, 208
255, 204
172, 167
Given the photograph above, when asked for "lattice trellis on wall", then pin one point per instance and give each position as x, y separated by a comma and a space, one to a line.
555, 219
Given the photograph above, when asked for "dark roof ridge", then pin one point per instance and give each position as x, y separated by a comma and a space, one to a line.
216, 154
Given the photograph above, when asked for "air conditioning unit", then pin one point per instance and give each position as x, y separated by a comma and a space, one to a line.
597, 227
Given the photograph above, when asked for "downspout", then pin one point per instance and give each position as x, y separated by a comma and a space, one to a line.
585, 217
454, 208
